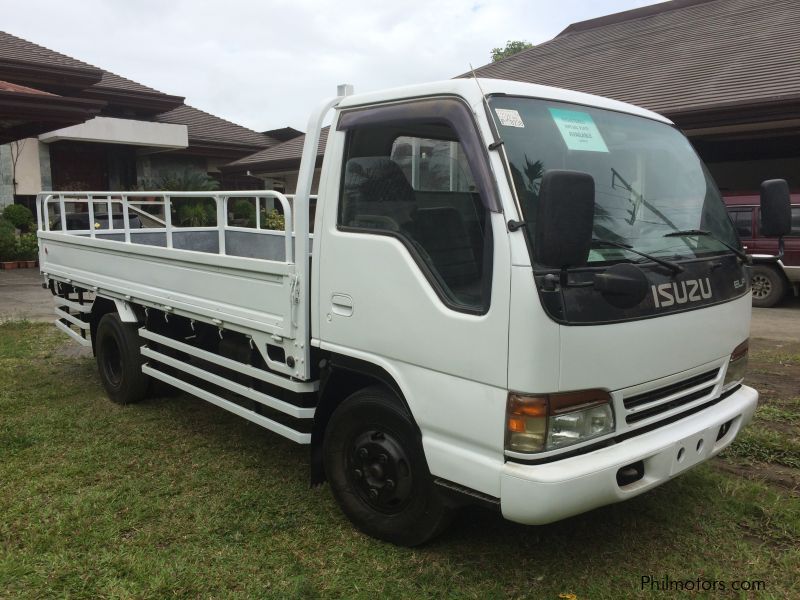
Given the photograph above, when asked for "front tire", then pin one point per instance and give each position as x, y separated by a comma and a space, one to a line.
768, 285
119, 360
377, 470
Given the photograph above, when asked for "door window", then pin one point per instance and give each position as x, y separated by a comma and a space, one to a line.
420, 189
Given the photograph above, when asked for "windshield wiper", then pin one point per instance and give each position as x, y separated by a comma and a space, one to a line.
691, 232
672, 266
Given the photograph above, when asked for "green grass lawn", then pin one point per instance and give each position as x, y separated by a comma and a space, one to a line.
176, 498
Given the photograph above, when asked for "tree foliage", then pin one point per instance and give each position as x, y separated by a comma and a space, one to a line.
512, 47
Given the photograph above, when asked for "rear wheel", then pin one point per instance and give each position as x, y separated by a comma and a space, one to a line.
119, 360
769, 288
377, 470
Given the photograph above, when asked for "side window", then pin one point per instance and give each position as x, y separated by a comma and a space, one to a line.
743, 221
795, 221
420, 189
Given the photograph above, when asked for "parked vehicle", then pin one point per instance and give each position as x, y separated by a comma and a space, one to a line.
507, 299
771, 279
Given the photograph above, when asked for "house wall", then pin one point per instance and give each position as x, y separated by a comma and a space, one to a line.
32, 171
6, 177
28, 172
290, 180
747, 175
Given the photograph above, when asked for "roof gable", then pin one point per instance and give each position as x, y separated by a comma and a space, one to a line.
674, 57
205, 128
27, 63
283, 156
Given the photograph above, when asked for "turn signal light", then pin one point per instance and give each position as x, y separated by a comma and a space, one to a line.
535, 423
737, 366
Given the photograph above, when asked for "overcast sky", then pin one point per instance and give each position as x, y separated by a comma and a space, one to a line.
266, 64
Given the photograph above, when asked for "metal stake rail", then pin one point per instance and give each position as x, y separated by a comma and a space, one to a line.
134, 202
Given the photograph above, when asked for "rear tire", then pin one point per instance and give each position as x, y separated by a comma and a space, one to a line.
768, 285
376, 467
119, 360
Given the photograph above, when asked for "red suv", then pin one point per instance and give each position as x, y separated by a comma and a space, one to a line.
771, 280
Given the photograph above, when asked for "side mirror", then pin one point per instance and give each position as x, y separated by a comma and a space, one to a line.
776, 212
564, 219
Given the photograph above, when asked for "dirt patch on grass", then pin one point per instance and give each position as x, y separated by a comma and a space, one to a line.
767, 450
774, 370
776, 475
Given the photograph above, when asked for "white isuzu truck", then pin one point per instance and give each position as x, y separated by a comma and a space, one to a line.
509, 294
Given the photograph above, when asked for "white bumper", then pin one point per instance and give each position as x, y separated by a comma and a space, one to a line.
538, 494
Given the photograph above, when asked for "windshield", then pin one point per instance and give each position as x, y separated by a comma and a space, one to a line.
649, 182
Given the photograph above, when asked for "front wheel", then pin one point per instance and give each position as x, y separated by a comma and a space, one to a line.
377, 470
119, 360
768, 285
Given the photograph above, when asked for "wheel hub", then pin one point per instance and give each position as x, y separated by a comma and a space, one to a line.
761, 286
379, 470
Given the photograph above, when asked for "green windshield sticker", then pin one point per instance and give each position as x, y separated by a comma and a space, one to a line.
595, 256
578, 130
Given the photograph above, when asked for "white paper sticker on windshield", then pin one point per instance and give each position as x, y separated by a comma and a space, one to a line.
578, 130
509, 117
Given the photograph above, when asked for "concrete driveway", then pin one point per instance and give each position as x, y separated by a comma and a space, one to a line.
780, 323
22, 297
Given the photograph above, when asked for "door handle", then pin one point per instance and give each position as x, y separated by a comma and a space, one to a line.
342, 305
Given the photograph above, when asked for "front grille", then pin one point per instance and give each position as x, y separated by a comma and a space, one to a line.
654, 402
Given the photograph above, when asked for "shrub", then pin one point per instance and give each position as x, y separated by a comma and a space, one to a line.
19, 216
185, 181
8, 242
194, 212
28, 247
274, 220
245, 210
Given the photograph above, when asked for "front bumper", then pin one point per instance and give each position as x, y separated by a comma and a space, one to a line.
538, 494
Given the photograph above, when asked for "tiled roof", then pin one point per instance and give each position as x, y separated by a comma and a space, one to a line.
5, 86
283, 155
27, 63
675, 57
16, 48
206, 127
283, 134
116, 82
205, 130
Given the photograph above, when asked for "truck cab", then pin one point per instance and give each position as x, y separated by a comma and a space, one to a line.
514, 295
425, 272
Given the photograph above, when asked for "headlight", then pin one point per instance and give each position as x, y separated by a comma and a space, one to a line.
737, 366
551, 421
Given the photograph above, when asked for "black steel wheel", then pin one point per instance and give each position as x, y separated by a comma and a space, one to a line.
377, 470
119, 360
768, 286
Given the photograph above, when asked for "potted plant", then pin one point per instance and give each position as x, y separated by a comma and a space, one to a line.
27, 250
8, 246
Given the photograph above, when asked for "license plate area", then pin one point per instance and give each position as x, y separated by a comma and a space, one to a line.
692, 450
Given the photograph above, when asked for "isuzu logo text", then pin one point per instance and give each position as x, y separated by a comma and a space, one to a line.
681, 292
